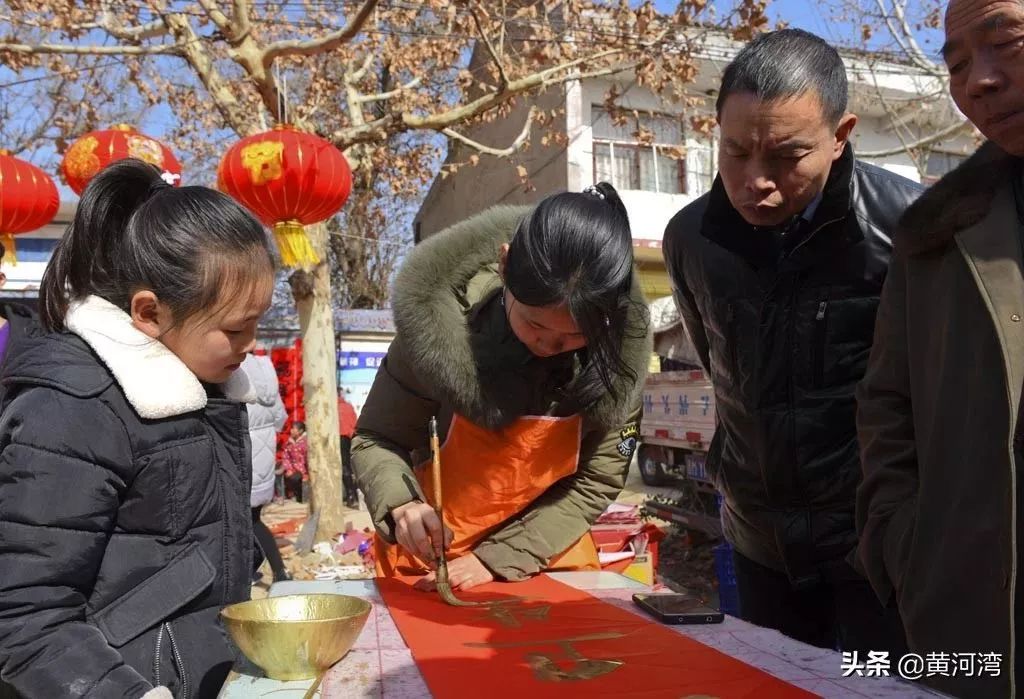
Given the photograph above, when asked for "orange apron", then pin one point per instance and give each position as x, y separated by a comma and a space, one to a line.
489, 477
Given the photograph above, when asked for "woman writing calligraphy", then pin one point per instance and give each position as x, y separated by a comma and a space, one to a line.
524, 331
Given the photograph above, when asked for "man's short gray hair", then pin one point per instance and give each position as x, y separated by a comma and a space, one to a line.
788, 63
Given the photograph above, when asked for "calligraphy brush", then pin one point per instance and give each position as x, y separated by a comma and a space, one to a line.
444, 588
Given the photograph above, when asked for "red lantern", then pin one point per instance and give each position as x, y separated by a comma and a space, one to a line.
28, 200
97, 149
289, 179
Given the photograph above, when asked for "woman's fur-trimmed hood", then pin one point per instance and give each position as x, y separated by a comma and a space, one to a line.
431, 308
958, 201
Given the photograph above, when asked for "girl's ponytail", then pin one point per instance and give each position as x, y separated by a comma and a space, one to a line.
85, 260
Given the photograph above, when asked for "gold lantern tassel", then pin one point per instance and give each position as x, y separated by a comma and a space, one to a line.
10, 253
294, 246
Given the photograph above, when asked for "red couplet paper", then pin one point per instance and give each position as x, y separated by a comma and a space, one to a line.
546, 639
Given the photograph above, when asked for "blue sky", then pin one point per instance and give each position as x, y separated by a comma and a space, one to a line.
817, 16
804, 14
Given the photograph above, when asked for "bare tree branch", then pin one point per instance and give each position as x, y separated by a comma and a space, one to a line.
408, 122
236, 28
896, 21
390, 94
219, 88
13, 19
246, 52
352, 77
356, 154
326, 43
70, 50
150, 30
544, 78
219, 18
45, 122
897, 127
503, 77
899, 9
438, 121
240, 19
111, 26
501, 35
391, 124
309, 110
948, 132
497, 152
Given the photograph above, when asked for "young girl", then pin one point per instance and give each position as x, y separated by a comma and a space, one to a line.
525, 333
124, 474
293, 461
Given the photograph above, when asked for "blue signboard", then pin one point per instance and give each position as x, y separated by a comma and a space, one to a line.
356, 371
360, 360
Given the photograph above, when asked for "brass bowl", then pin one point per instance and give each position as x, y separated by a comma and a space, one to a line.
296, 637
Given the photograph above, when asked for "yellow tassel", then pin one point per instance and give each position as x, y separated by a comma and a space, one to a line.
10, 253
294, 246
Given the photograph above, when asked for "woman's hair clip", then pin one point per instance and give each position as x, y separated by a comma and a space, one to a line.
591, 189
170, 177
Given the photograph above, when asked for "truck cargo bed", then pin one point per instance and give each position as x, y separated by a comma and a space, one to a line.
678, 410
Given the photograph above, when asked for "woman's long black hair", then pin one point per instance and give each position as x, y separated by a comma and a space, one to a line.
576, 249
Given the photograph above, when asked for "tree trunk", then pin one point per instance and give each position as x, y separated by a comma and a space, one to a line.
312, 292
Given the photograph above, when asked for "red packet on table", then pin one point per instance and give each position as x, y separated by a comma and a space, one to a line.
542, 634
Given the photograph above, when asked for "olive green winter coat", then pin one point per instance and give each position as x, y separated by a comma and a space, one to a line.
454, 353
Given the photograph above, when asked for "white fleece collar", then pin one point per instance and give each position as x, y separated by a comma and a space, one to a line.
154, 380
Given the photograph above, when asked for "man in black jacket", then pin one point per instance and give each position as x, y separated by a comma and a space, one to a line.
777, 273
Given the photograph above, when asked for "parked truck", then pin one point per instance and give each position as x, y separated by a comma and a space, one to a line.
677, 427
675, 433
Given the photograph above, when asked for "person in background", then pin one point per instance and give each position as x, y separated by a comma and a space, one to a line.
15, 319
267, 417
293, 461
124, 484
777, 273
346, 431
939, 415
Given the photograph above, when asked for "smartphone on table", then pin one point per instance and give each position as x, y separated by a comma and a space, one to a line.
672, 608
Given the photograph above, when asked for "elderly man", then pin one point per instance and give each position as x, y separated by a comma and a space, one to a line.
777, 273
939, 410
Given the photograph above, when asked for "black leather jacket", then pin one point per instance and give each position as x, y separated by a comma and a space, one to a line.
784, 326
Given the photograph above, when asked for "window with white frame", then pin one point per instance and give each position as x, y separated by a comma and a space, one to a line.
621, 159
701, 164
